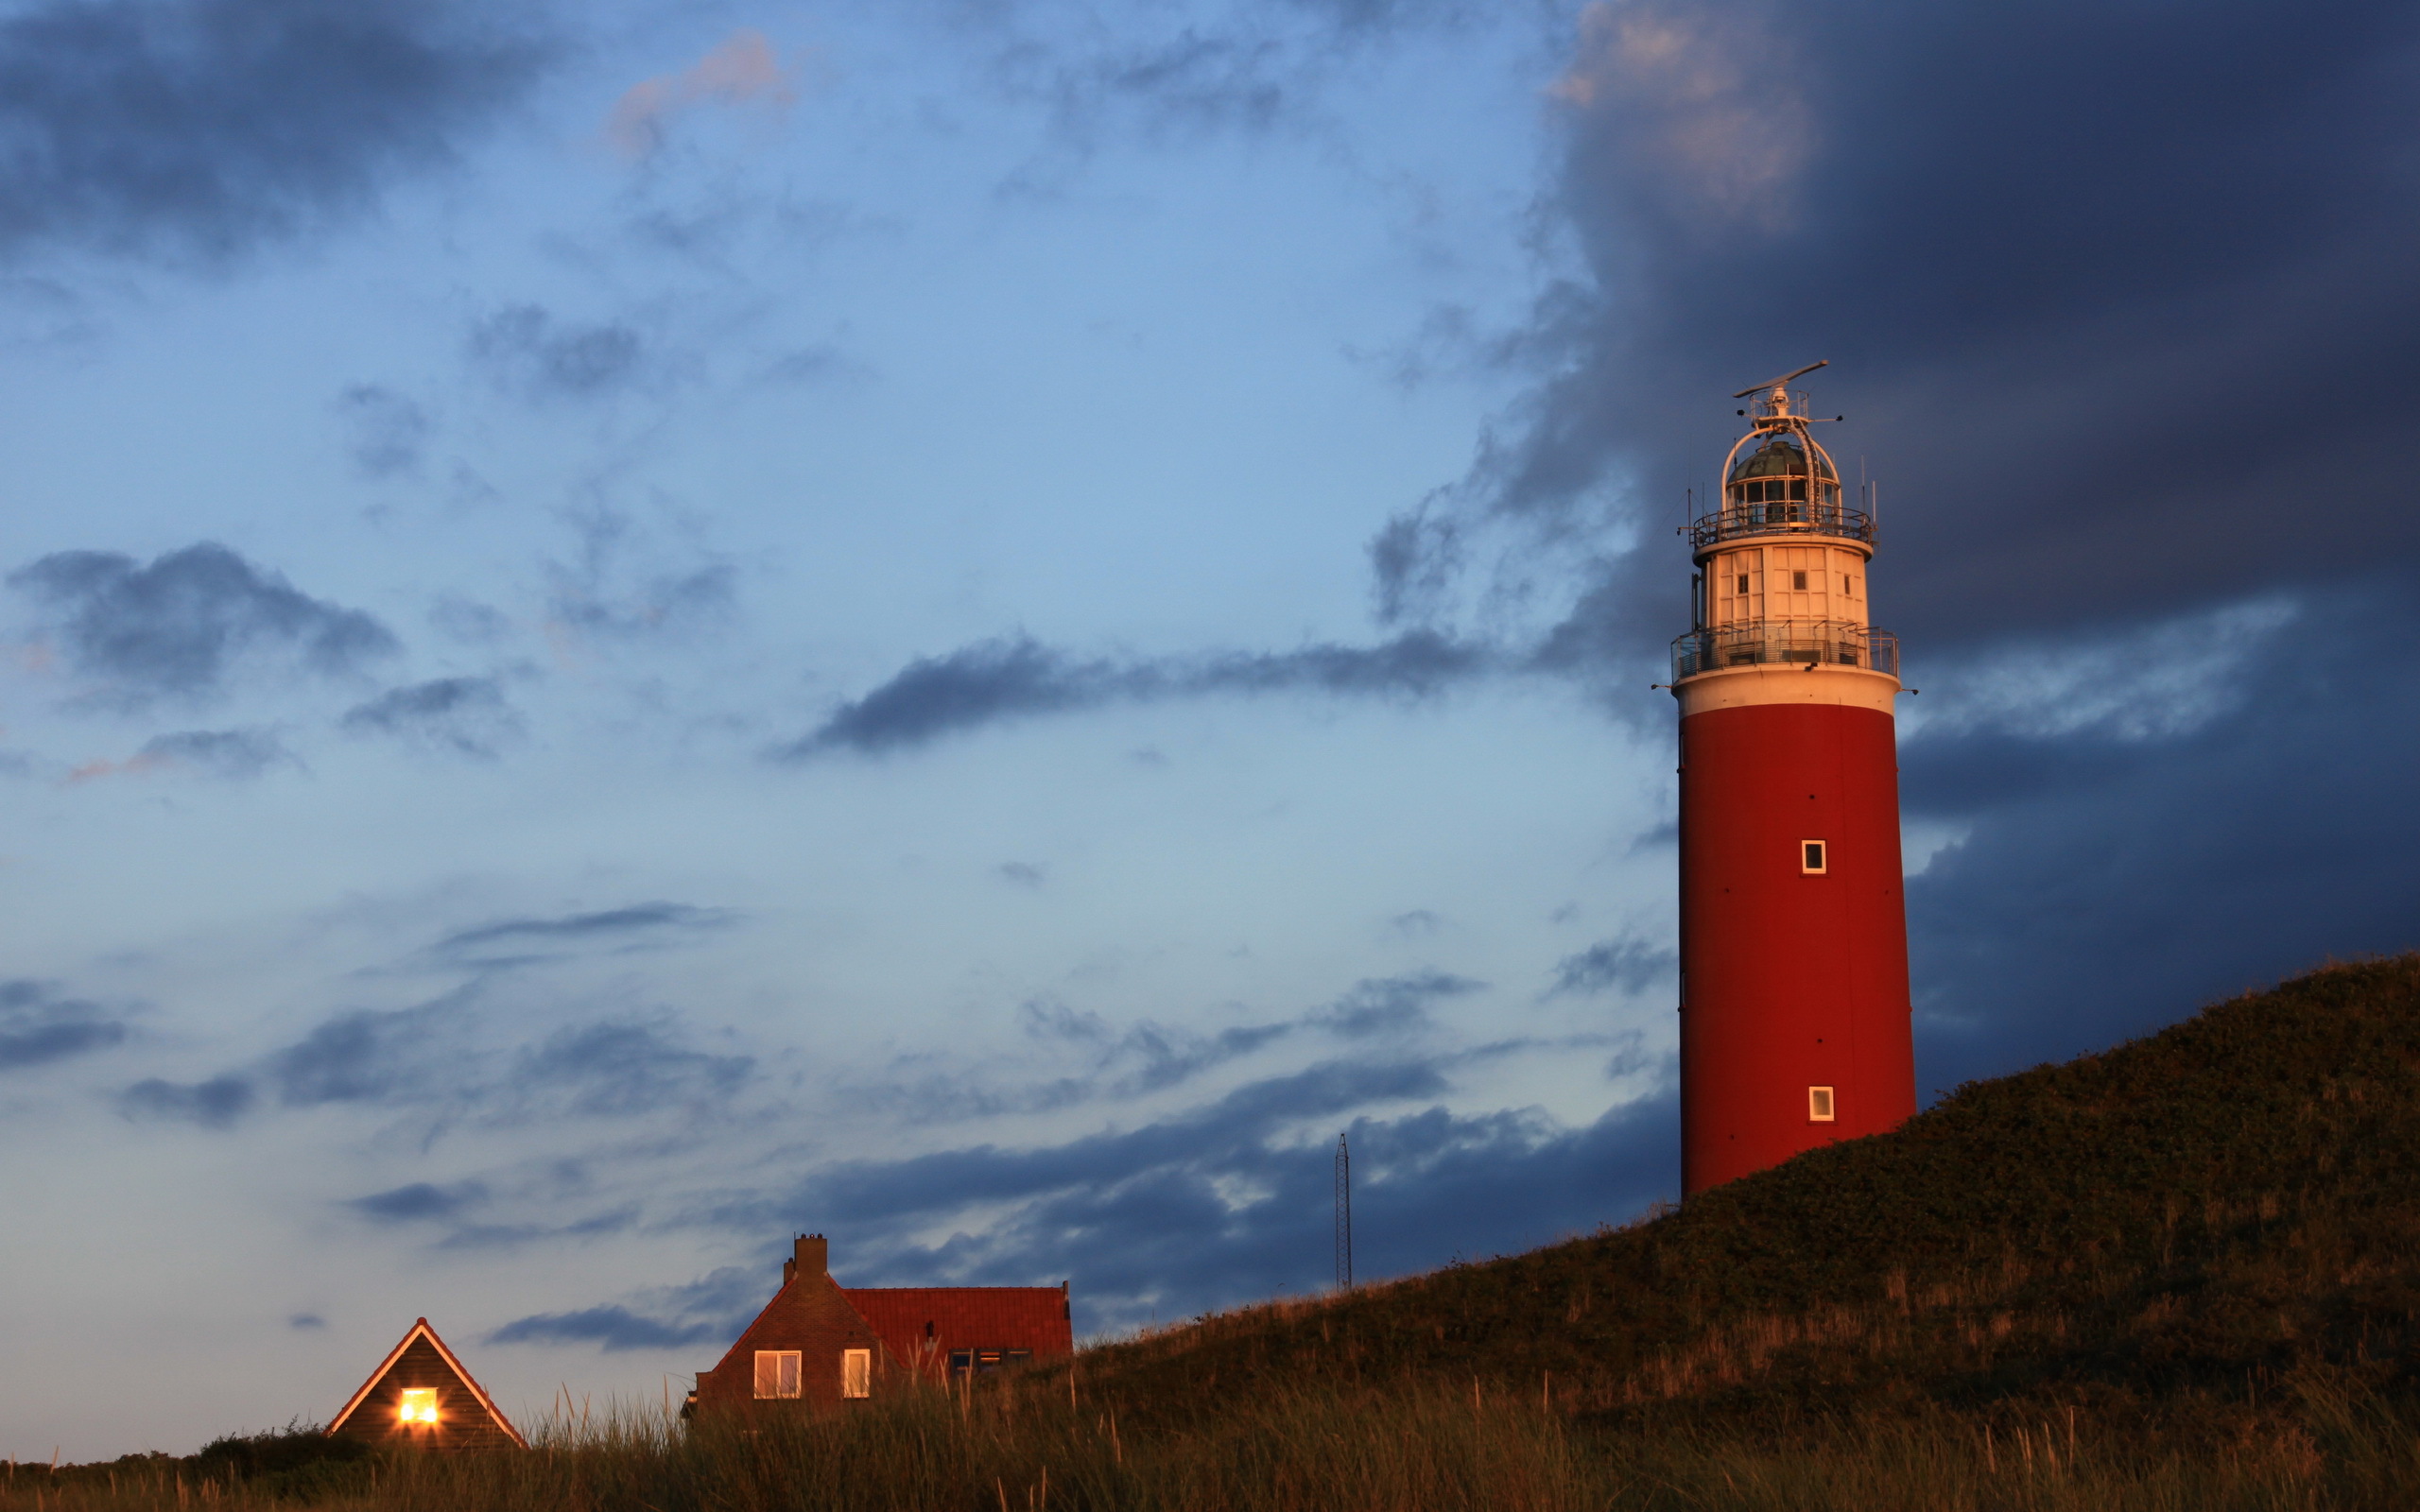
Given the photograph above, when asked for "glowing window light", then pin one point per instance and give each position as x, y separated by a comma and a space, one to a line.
420, 1405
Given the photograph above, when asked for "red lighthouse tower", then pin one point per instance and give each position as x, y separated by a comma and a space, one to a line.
1794, 1008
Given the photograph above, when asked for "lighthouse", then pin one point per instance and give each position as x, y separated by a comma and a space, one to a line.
1795, 1011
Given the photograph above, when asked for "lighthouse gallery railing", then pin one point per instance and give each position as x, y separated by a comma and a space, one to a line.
1803, 643
1733, 521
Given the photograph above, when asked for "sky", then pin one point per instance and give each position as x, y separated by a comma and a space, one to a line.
977, 624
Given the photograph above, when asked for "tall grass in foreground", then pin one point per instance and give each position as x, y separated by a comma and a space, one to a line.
1316, 1451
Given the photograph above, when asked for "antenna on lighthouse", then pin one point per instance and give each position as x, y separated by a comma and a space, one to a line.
1777, 383
1343, 1216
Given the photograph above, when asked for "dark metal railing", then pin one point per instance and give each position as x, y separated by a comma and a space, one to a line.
1802, 643
1797, 518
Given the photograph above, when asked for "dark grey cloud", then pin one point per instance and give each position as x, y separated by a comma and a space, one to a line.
198, 129
636, 927
1232, 1202
306, 1321
38, 1026
1614, 965
373, 1055
1756, 186
1021, 873
469, 716
2112, 880
993, 681
217, 1103
387, 433
615, 1329
1391, 1004
180, 624
420, 1200
529, 350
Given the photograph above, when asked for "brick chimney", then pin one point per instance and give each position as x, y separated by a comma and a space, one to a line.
810, 1254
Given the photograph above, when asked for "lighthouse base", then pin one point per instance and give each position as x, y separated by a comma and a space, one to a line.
1794, 1011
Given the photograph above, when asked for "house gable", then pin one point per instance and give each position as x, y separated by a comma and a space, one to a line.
465, 1417
810, 1317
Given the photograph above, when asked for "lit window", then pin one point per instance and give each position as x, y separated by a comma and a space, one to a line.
1819, 1105
777, 1373
1798, 581
857, 1372
1810, 856
420, 1405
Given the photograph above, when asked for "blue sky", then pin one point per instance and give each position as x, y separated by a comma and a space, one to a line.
637, 629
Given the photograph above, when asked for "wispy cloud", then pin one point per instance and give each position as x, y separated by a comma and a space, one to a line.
38, 1026
999, 680
469, 716
742, 69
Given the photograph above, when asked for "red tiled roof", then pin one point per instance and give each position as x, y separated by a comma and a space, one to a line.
965, 1317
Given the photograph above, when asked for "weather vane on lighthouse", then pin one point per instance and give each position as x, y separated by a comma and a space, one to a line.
1794, 1008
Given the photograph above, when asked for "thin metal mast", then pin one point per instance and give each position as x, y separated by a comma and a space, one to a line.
1343, 1216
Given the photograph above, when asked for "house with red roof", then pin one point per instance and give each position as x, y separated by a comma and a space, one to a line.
822, 1345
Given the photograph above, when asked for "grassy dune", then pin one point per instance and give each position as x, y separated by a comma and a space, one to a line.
2184, 1274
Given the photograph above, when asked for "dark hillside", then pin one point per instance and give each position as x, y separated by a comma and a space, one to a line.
2187, 1220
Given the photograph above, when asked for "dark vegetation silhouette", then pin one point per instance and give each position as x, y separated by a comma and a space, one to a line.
2181, 1274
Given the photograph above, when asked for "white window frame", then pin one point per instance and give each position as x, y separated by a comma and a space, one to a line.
778, 1375
856, 1373
1822, 1106
1823, 849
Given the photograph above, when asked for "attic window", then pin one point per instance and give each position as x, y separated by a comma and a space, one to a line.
420, 1406
856, 1373
777, 1373
1811, 857
1819, 1105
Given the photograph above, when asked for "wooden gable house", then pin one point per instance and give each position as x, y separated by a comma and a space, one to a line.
821, 1345
420, 1397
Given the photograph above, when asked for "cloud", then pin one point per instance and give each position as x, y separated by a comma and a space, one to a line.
390, 432
1614, 965
306, 1321
39, 1027
420, 1200
200, 130
2114, 876
620, 1069
742, 69
180, 624
621, 586
233, 754
1735, 219
466, 716
527, 351
615, 1328
1392, 1004
636, 926
1234, 1201
997, 681
217, 1103
1020, 873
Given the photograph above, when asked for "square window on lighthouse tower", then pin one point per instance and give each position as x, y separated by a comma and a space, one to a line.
1819, 1105
1811, 856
